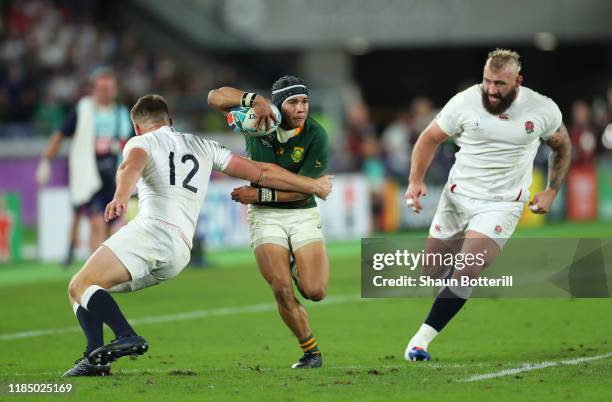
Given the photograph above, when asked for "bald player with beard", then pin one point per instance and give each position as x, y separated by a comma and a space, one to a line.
498, 125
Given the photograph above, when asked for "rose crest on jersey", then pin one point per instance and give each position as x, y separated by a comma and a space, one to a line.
297, 154
529, 127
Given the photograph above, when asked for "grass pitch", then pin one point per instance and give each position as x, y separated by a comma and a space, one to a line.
215, 335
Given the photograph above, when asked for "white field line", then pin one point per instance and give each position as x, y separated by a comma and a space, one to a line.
537, 366
192, 315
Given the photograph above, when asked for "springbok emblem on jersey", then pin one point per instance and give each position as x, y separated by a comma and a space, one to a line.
529, 127
297, 154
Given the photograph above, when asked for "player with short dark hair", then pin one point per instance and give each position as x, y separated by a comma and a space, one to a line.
150, 108
285, 226
172, 170
498, 125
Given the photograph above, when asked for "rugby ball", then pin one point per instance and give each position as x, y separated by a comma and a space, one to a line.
242, 121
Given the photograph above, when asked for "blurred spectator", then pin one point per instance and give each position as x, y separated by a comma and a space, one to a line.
18, 94
99, 128
48, 48
137, 78
606, 136
373, 168
600, 115
397, 145
54, 51
12, 48
49, 114
47, 51
106, 45
400, 135
358, 127
63, 85
18, 17
582, 133
422, 113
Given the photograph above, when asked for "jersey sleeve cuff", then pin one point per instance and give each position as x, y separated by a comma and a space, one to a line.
444, 127
226, 162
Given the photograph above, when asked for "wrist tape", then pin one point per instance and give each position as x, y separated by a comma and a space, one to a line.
266, 194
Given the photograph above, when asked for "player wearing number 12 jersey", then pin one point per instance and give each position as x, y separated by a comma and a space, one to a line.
172, 170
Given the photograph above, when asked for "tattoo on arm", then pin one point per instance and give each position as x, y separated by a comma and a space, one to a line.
560, 157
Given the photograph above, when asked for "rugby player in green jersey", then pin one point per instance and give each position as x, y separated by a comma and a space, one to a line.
285, 226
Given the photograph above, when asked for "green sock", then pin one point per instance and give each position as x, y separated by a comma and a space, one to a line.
310, 345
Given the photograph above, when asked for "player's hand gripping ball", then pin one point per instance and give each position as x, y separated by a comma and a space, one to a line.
242, 121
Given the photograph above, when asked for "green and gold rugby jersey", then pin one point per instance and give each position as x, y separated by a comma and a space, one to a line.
306, 154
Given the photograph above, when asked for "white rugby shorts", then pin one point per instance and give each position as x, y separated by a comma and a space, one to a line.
457, 214
290, 228
151, 250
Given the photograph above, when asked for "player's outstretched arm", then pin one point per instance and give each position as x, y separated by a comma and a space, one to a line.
558, 164
225, 98
127, 176
274, 176
422, 155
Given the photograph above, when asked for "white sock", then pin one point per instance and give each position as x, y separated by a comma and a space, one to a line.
463, 292
424, 335
87, 295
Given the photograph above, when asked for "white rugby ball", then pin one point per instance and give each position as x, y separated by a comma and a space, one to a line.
242, 121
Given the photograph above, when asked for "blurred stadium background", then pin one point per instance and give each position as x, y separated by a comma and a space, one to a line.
378, 72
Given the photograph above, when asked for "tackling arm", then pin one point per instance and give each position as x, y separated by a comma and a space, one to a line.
286, 196
271, 175
128, 174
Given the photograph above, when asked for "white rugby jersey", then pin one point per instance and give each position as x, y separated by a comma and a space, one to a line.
175, 180
495, 161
